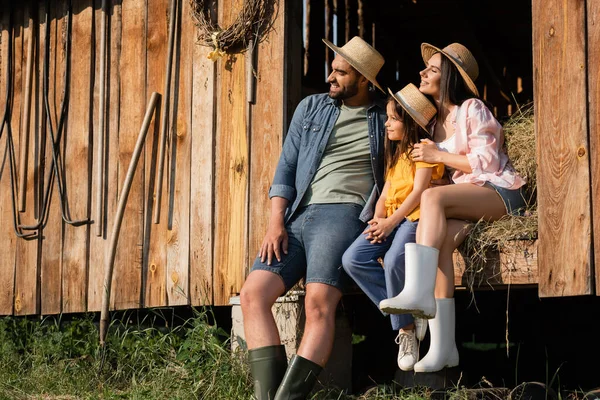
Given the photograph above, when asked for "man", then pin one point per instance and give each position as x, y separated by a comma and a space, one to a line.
329, 176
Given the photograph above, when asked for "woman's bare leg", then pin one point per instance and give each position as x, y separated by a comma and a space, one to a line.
460, 201
457, 231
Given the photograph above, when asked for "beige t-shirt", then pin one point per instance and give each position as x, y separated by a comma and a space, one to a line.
345, 174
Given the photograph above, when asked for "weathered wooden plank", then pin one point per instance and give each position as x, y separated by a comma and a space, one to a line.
51, 235
515, 264
178, 236
268, 115
231, 172
27, 250
128, 262
76, 157
155, 235
7, 261
23, 298
202, 170
593, 68
99, 245
563, 162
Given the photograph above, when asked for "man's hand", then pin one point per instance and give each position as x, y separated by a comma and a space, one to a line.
275, 241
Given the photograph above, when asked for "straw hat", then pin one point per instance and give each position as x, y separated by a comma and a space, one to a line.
461, 57
362, 56
416, 104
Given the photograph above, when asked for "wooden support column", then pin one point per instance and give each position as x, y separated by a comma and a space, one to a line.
593, 70
561, 124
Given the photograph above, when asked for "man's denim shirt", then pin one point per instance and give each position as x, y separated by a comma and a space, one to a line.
305, 144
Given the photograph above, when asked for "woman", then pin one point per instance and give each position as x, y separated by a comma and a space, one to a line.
469, 141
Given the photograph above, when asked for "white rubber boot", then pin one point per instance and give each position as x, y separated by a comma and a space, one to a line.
421, 263
442, 349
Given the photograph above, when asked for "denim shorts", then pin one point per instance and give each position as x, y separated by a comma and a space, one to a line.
318, 236
514, 199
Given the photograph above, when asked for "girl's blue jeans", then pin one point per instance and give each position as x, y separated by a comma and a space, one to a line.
360, 261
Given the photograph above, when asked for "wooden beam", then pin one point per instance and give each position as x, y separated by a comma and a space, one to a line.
561, 124
155, 235
515, 264
127, 278
202, 173
593, 69
231, 172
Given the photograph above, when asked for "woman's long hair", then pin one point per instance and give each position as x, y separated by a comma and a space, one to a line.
413, 133
453, 89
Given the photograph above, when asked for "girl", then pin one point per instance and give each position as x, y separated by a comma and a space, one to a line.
469, 141
396, 213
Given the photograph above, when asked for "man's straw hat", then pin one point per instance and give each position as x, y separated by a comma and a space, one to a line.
461, 57
362, 56
416, 104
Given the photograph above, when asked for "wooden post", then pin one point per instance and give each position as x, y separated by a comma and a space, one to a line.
561, 124
593, 49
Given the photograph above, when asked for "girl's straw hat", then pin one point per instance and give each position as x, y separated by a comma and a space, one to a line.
416, 104
362, 56
461, 57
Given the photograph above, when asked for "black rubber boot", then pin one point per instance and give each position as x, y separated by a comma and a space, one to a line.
267, 365
299, 379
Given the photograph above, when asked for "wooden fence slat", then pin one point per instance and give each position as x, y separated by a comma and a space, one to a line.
202, 170
7, 261
155, 235
231, 172
27, 250
178, 235
99, 246
22, 299
128, 262
76, 154
267, 128
562, 148
593, 68
51, 241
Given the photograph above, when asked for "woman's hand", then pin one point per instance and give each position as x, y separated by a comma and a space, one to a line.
379, 229
426, 151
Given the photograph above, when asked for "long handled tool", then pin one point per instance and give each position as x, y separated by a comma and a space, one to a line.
101, 118
55, 171
24, 145
139, 145
165, 110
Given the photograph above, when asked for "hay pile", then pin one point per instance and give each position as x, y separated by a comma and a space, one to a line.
521, 148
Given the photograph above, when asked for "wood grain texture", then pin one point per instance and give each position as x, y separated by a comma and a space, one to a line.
9, 240
99, 245
155, 235
268, 115
231, 174
202, 172
76, 154
127, 278
561, 126
178, 235
593, 66
51, 237
516, 264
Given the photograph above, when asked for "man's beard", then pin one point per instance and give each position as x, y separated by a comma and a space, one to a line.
349, 91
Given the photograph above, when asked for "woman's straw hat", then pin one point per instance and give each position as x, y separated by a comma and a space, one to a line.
461, 57
362, 56
416, 104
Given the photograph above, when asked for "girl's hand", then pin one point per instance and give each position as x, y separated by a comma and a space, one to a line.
426, 151
379, 231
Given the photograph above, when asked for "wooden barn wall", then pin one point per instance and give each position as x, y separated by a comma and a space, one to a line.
593, 68
566, 94
220, 156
